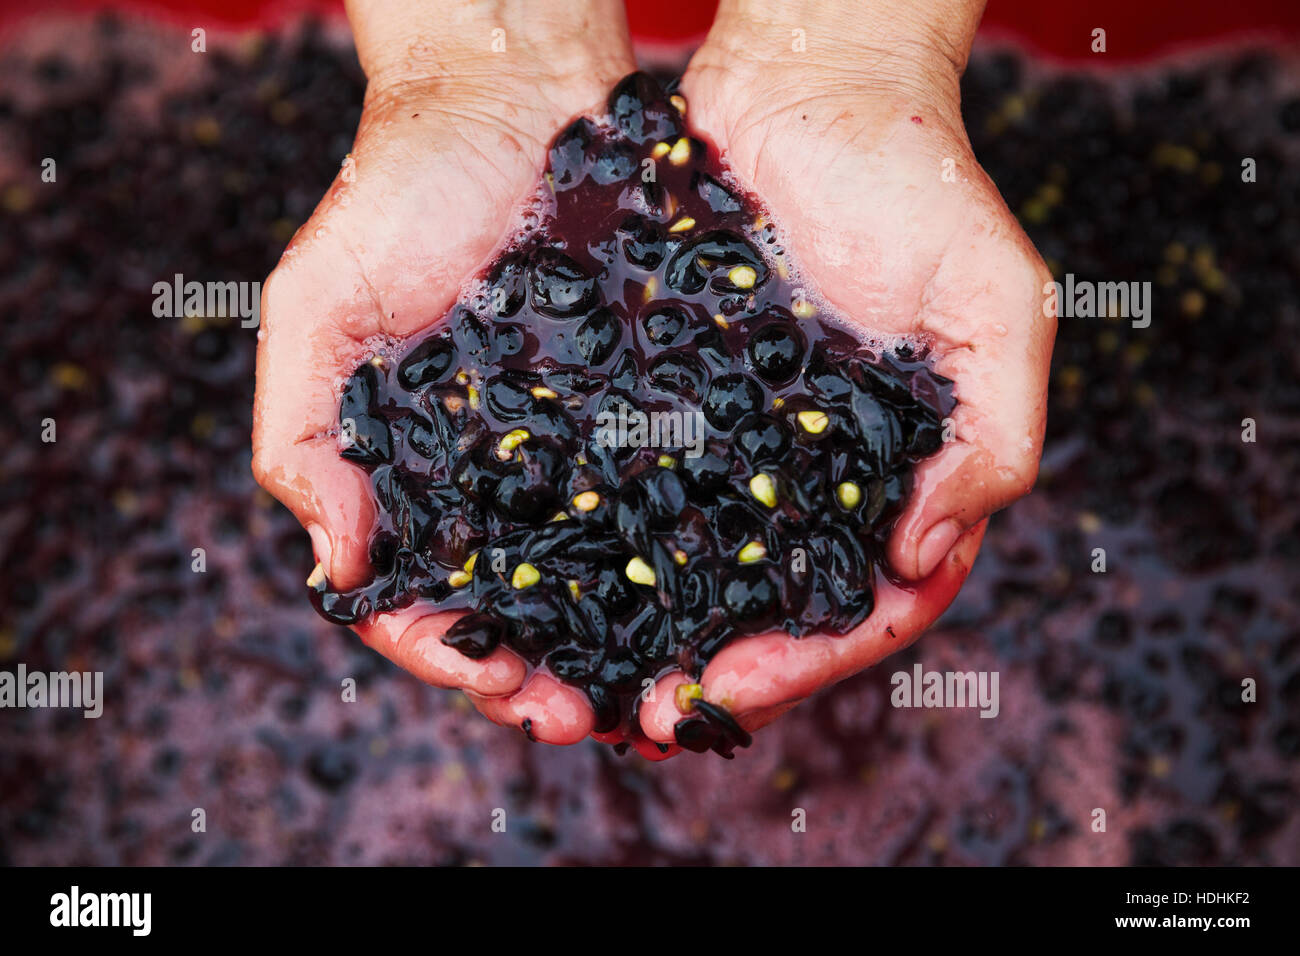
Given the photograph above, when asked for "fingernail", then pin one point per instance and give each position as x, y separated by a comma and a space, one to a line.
320, 544
937, 542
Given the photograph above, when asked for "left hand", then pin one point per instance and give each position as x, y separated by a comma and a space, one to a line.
848, 145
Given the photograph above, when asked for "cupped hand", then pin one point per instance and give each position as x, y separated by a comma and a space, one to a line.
453, 135
862, 158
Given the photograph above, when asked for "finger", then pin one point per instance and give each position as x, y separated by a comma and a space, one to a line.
412, 639
650, 750
758, 678
646, 748
660, 712
546, 710
296, 457
295, 440
347, 276
998, 347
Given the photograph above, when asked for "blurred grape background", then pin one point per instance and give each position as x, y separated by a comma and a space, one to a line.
1119, 690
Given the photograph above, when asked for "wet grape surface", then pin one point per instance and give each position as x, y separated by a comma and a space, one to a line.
1119, 690
547, 435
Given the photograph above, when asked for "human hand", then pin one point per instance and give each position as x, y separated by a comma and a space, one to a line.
452, 137
847, 142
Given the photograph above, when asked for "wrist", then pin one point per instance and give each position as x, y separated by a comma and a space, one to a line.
913, 51
568, 55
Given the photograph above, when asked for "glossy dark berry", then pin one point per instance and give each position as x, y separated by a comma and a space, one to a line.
762, 438
665, 325
430, 362
472, 336
598, 336
559, 286
625, 373
730, 398
708, 472
573, 664
641, 111
708, 260
475, 635
777, 351
749, 594
826, 381
506, 287
615, 162
680, 373
665, 497
522, 497
366, 439
508, 398
719, 197
641, 241
621, 671
569, 154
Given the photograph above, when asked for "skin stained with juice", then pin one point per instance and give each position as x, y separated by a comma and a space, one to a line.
1119, 691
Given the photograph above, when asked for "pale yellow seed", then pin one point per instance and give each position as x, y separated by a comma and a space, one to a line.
317, 576
720, 320
667, 461
586, 501
651, 287
661, 150
763, 488
458, 579
742, 277
525, 576
754, 551
67, 375
462, 377
473, 396
541, 391
778, 402
575, 590
681, 152
848, 494
510, 441
581, 459
686, 695
469, 565
681, 225
813, 422
803, 308
679, 103
559, 516
680, 556
377, 361
639, 572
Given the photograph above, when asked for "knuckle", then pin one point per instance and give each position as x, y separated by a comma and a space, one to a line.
271, 290
265, 467
1023, 473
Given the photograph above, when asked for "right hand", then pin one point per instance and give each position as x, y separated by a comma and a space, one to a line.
451, 139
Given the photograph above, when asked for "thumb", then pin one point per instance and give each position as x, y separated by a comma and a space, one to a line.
988, 309
295, 423
953, 492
